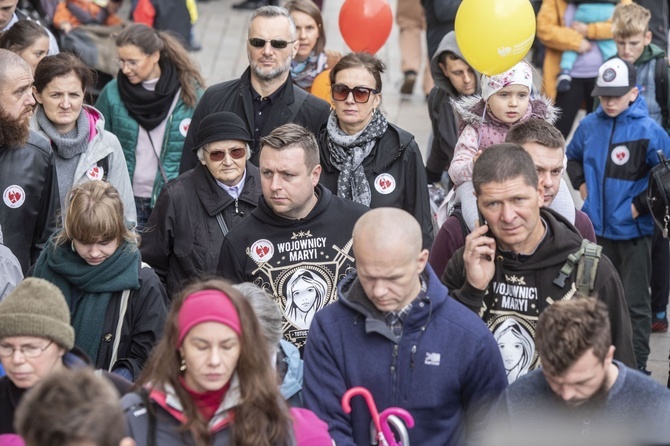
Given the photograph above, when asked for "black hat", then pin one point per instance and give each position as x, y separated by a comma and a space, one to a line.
616, 77
221, 126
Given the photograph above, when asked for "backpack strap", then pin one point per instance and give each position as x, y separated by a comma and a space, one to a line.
586, 260
104, 164
661, 82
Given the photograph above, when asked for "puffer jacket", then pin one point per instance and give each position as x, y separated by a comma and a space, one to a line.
183, 238
30, 199
613, 156
557, 37
101, 144
126, 129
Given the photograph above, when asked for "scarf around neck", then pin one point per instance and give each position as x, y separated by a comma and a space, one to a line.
348, 152
303, 73
68, 144
62, 266
150, 108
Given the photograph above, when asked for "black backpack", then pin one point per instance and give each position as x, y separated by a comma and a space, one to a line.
661, 81
658, 193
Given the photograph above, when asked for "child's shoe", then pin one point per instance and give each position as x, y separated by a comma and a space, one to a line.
563, 82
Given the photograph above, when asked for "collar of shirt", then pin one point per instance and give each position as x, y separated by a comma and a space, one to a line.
236, 190
396, 319
272, 97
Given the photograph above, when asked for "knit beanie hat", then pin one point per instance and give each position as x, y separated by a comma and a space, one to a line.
37, 308
519, 74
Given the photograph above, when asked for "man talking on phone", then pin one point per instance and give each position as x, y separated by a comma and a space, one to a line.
525, 258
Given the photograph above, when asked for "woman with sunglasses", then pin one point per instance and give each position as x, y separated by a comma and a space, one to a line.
194, 212
365, 158
149, 108
118, 305
210, 380
312, 57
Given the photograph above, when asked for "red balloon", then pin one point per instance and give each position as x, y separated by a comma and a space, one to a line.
365, 24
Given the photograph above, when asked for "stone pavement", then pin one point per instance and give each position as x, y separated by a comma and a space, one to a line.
222, 32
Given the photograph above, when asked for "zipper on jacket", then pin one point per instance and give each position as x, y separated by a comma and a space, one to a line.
394, 373
411, 361
237, 209
607, 155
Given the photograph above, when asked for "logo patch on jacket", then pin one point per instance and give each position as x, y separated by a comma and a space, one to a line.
262, 250
385, 183
14, 196
432, 358
620, 155
95, 173
184, 125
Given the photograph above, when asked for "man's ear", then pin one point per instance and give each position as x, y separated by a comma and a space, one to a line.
127, 441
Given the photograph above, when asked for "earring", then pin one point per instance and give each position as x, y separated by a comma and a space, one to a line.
72, 245
182, 367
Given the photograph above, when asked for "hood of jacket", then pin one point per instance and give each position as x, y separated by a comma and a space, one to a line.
650, 52
470, 109
638, 109
265, 214
449, 44
351, 294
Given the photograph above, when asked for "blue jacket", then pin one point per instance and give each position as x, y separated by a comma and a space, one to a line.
444, 368
614, 156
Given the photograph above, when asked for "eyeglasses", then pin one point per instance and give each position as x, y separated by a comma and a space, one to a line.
341, 92
275, 43
219, 155
28, 351
132, 63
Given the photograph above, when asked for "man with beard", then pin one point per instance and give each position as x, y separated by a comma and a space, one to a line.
28, 180
581, 395
265, 96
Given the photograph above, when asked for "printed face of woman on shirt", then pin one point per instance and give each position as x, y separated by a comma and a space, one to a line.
511, 350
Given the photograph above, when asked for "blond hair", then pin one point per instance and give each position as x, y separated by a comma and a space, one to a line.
629, 20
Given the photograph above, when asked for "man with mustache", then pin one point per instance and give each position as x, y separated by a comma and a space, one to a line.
581, 395
28, 180
265, 96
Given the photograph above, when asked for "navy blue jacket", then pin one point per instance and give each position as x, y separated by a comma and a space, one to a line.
614, 156
444, 368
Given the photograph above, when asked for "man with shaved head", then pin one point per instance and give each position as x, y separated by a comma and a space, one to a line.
395, 331
27, 174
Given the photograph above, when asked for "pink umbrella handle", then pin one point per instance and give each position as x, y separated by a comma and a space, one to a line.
386, 429
365, 393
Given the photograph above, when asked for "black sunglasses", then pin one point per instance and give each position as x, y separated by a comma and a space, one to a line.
236, 153
341, 92
275, 43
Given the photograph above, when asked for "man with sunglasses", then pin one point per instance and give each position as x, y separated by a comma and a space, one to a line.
265, 96
195, 211
297, 242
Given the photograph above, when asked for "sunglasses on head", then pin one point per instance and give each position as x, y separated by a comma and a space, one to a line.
275, 43
341, 92
219, 155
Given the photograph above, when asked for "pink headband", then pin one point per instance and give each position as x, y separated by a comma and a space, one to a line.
207, 306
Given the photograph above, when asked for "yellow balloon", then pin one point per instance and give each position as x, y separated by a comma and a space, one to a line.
494, 35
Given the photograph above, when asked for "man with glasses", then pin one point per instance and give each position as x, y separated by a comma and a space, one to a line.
195, 211
297, 243
265, 96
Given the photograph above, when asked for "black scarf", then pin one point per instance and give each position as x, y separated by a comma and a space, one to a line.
150, 108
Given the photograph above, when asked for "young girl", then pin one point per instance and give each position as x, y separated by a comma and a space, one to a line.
506, 100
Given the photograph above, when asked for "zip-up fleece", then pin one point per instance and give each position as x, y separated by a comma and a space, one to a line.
443, 369
614, 156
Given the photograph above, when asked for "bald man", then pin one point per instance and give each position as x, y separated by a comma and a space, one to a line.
395, 331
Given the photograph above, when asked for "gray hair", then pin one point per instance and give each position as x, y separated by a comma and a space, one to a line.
266, 311
201, 151
275, 11
8, 61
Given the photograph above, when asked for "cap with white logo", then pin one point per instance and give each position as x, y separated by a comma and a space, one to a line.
616, 77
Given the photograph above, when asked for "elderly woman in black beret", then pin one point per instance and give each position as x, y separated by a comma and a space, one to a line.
196, 210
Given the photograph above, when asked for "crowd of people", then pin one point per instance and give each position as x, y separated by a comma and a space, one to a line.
224, 265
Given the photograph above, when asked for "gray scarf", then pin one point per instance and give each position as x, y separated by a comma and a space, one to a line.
349, 151
68, 144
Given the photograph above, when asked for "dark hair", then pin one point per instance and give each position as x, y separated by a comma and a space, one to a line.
21, 35
502, 162
71, 406
311, 9
360, 60
536, 130
289, 135
59, 65
449, 55
149, 40
262, 417
567, 329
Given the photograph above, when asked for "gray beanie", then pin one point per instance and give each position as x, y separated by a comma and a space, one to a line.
37, 308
